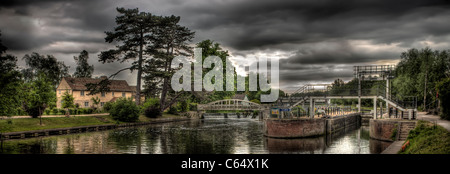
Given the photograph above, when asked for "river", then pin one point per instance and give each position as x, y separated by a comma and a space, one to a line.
210, 136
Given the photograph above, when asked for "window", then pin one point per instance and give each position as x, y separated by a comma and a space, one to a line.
59, 91
103, 94
81, 93
102, 103
86, 104
113, 94
123, 94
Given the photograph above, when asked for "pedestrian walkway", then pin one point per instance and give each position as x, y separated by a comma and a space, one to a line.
434, 118
50, 116
393, 148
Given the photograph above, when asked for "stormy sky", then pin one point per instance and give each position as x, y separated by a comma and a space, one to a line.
316, 41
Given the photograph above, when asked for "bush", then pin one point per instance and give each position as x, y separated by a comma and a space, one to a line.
193, 106
183, 106
62, 111
152, 112
151, 108
55, 111
173, 110
125, 110
47, 111
107, 106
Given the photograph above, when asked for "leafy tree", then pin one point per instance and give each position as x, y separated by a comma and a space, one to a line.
39, 94
83, 68
96, 102
11, 84
48, 65
418, 73
133, 33
67, 100
443, 88
209, 48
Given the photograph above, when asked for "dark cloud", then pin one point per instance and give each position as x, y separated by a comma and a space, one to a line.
321, 37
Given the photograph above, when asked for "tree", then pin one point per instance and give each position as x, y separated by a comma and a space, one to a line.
83, 68
95, 101
169, 40
11, 84
47, 65
67, 100
443, 88
209, 48
418, 73
39, 94
133, 33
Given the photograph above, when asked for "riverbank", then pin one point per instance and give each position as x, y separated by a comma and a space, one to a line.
31, 124
428, 138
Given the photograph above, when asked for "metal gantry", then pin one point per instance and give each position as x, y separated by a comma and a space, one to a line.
313, 93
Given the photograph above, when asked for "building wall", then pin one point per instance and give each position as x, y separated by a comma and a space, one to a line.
81, 99
78, 98
62, 88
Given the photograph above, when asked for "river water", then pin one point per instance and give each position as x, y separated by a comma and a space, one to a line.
210, 136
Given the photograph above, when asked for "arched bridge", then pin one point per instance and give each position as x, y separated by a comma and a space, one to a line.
230, 104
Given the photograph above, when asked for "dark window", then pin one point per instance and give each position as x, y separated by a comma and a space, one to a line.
81, 93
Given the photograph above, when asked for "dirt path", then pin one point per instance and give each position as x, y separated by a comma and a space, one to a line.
434, 118
49, 116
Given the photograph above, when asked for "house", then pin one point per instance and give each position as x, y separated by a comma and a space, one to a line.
76, 87
240, 96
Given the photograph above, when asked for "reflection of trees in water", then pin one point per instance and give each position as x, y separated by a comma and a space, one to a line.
30, 146
124, 138
208, 138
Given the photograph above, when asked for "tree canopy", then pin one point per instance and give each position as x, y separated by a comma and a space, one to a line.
83, 68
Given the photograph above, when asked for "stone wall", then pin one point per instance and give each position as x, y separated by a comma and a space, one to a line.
294, 128
340, 122
382, 129
298, 128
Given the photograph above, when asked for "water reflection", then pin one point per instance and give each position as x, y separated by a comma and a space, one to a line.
211, 136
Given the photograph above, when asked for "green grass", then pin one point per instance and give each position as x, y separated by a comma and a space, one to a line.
428, 138
27, 124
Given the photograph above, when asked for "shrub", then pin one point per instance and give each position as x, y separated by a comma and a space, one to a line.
193, 106
152, 112
183, 106
173, 110
62, 111
55, 111
151, 108
107, 106
125, 110
47, 111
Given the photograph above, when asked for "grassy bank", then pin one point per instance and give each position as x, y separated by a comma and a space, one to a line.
27, 124
428, 138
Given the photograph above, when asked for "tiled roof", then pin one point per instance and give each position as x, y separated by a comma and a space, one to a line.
116, 85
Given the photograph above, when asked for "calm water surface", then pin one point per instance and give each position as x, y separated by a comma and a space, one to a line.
210, 136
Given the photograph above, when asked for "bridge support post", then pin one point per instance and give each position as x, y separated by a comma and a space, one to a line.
359, 104
374, 108
410, 114
311, 108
